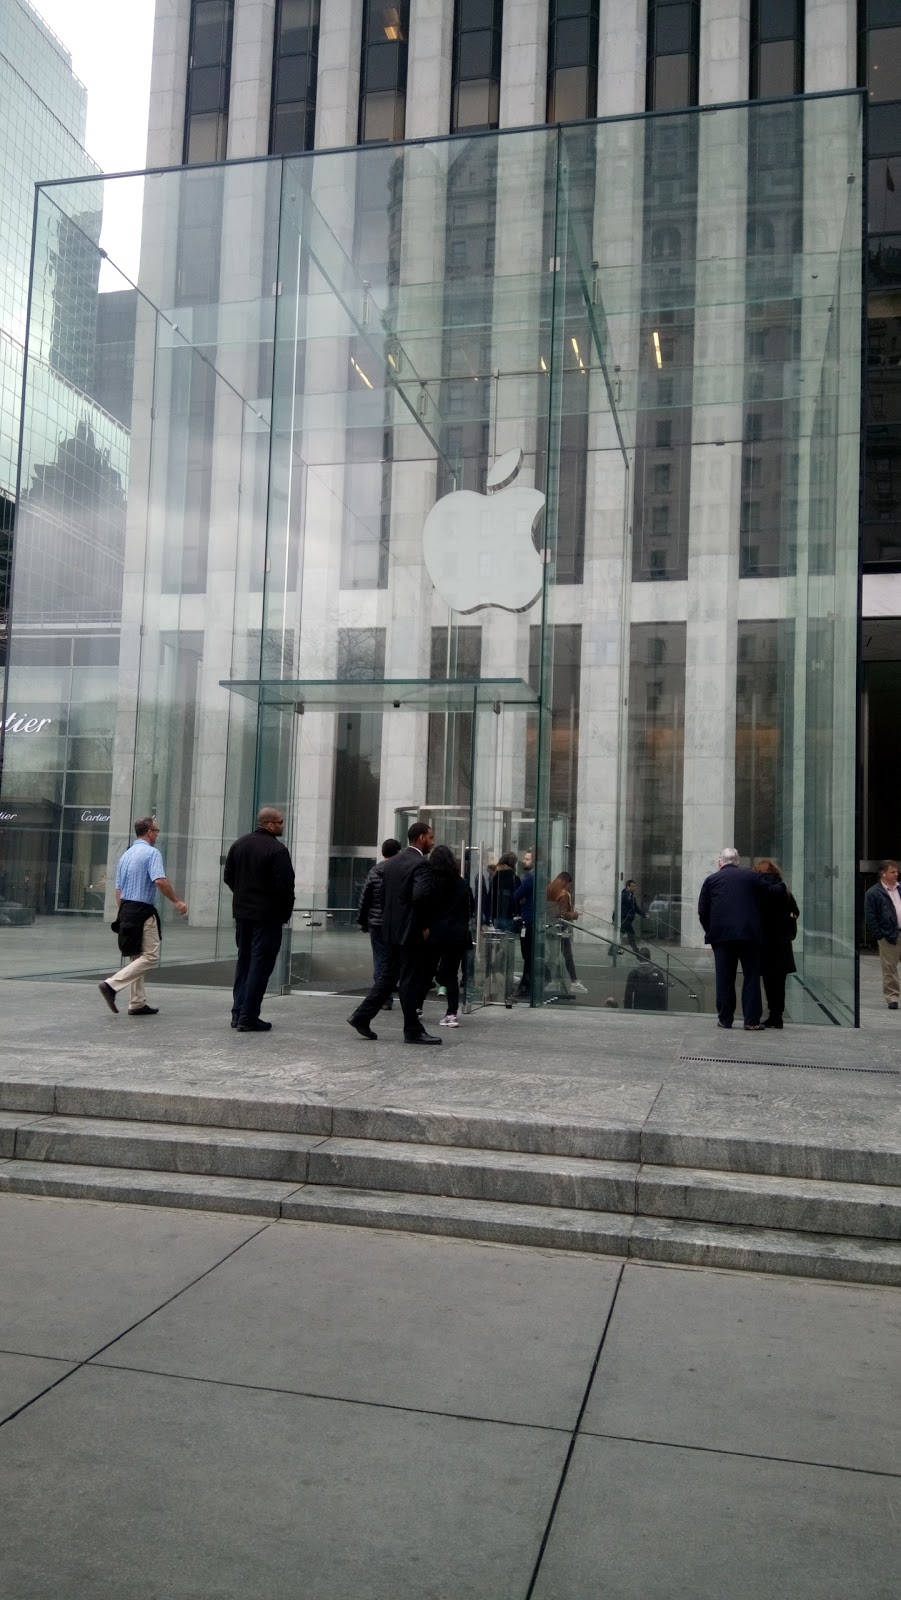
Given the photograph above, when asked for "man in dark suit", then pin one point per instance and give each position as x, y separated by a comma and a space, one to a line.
729, 909
259, 872
406, 888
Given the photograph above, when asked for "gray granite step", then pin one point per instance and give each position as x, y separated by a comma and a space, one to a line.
126, 1186
753, 1200
163, 1147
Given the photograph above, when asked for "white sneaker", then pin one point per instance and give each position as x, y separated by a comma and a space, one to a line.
578, 988
450, 1021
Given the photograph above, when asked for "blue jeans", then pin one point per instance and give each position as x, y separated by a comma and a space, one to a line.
258, 947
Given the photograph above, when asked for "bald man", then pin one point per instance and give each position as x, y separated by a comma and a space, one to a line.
259, 872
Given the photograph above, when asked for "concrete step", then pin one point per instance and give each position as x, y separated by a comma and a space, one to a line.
854, 1210
813, 1255
831, 1159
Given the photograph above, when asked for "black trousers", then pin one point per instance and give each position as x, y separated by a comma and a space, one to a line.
527, 939
726, 959
774, 987
627, 934
403, 970
258, 947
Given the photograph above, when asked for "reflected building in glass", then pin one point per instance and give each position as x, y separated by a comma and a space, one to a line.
487, 468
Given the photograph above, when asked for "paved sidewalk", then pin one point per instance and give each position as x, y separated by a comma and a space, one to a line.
196, 1406
824, 1085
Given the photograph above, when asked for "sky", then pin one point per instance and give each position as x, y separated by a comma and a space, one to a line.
111, 42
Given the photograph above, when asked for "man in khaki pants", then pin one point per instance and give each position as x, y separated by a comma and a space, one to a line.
139, 875
882, 913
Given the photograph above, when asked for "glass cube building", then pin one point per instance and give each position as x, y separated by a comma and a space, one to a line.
509, 480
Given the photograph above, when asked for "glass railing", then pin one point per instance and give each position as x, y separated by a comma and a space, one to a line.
608, 974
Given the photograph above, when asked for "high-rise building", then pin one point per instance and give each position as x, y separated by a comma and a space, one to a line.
70, 511
607, 253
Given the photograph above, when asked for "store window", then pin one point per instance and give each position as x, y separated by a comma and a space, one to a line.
294, 77
209, 81
383, 71
673, 53
572, 60
777, 48
476, 82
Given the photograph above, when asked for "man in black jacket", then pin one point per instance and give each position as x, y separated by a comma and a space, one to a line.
259, 872
729, 909
406, 888
882, 914
369, 914
629, 909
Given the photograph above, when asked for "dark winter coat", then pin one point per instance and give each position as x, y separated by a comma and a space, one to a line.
450, 911
879, 914
730, 904
369, 914
779, 913
259, 872
406, 888
524, 900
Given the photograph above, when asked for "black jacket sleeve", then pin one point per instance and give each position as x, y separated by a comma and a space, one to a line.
283, 882
229, 871
366, 901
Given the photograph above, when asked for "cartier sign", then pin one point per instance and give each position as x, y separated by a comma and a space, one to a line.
21, 722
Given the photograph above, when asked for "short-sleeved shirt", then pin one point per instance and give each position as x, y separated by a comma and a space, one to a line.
138, 871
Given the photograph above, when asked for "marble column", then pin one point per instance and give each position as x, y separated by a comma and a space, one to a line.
429, 65
168, 83
622, 57
524, 63
338, 77
725, 61
251, 79
830, 45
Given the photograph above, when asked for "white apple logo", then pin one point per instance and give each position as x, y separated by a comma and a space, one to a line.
478, 548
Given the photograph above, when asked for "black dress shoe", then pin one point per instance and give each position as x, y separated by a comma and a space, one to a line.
724, 1025
109, 996
234, 1022
422, 1038
362, 1028
145, 1011
771, 1022
892, 1005
254, 1027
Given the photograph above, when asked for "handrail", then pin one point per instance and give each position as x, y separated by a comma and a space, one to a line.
662, 958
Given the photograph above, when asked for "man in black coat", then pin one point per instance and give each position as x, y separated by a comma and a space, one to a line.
406, 888
882, 914
729, 909
260, 874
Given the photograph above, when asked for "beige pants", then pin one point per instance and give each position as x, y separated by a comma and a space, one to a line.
134, 973
890, 955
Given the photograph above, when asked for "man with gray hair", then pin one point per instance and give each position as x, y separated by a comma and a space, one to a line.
729, 909
260, 874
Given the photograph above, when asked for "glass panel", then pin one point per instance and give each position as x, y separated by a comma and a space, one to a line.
672, 82
884, 63
776, 68
415, 430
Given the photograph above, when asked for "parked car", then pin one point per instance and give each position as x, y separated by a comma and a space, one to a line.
664, 920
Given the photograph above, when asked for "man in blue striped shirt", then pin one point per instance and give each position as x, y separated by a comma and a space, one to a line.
139, 875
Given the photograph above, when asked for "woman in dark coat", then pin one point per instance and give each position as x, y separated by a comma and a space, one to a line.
449, 916
779, 915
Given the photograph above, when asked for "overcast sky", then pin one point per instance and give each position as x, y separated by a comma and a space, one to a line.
110, 42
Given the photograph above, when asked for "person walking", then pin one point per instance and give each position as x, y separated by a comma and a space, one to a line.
561, 908
646, 985
780, 914
629, 909
503, 887
882, 914
369, 914
260, 874
729, 908
406, 891
524, 906
140, 874
451, 910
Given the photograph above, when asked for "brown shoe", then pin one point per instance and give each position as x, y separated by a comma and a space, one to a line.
109, 996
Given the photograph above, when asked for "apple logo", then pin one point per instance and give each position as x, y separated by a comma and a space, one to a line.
478, 548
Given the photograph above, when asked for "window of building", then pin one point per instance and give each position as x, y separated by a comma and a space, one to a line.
476, 84
294, 76
383, 71
777, 48
209, 81
673, 52
572, 60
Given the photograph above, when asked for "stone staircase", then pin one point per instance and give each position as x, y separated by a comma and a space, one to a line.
816, 1210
